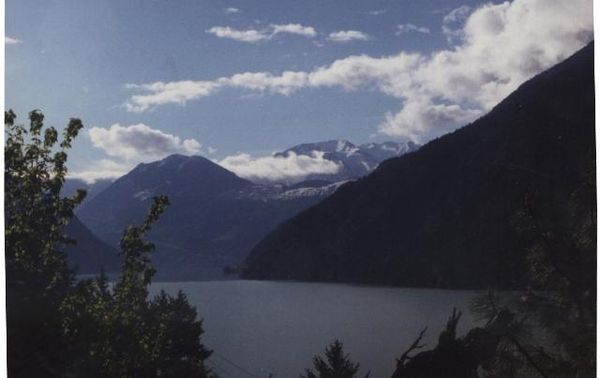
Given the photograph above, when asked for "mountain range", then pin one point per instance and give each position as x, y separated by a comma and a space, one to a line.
355, 161
215, 217
451, 214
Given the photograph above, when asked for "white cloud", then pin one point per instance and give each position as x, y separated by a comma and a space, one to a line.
128, 146
285, 84
387, 74
420, 119
290, 168
11, 41
348, 36
140, 142
407, 28
101, 170
255, 36
160, 93
231, 10
298, 29
500, 46
453, 22
457, 14
249, 36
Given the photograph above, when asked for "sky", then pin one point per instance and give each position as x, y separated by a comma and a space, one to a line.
236, 80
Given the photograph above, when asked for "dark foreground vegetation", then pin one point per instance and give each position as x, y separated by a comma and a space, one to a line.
59, 326
508, 200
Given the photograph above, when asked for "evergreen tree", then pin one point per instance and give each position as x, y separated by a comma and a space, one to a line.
336, 365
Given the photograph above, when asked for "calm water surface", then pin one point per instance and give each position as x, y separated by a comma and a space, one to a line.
268, 327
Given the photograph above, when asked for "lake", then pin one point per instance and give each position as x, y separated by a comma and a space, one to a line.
257, 328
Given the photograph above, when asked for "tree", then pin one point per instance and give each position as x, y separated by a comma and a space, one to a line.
338, 364
135, 336
548, 330
37, 276
176, 336
561, 302
60, 326
453, 357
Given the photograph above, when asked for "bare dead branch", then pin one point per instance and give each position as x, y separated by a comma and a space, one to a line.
414, 346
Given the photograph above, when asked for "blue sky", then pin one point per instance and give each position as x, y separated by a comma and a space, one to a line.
414, 70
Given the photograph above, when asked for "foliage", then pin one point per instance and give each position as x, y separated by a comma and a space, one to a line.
37, 277
59, 326
336, 365
548, 330
554, 328
453, 357
127, 335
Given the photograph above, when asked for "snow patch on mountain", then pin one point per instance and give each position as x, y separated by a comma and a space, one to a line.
354, 160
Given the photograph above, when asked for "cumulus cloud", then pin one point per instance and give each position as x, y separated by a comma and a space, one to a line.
499, 46
284, 84
453, 22
407, 28
129, 145
290, 168
348, 36
160, 93
231, 10
249, 36
298, 29
255, 36
101, 170
140, 142
419, 117
349, 73
11, 41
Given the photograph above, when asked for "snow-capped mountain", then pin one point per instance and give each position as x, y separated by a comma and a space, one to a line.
355, 160
216, 217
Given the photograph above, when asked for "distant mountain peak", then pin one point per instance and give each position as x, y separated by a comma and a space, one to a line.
356, 160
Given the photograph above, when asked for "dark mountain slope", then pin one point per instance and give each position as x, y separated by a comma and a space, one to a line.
215, 217
444, 216
92, 189
89, 255
127, 200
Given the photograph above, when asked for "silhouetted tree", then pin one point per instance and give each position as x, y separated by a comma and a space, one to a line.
548, 330
453, 357
58, 326
37, 276
554, 331
336, 365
